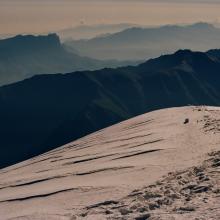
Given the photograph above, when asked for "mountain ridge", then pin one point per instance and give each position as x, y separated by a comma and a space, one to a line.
145, 43
47, 111
23, 56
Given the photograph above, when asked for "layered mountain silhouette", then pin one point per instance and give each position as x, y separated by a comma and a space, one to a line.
47, 111
144, 43
90, 31
25, 56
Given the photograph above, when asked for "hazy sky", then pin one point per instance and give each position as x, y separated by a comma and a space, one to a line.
19, 16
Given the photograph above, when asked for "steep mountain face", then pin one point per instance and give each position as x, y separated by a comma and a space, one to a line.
46, 111
25, 56
144, 43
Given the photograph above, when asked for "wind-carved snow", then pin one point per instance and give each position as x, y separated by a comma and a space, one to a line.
89, 178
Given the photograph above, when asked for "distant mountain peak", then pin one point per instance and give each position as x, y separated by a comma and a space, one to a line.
180, 59
30, 42
204, 25
50, 35
183, 52
23, 56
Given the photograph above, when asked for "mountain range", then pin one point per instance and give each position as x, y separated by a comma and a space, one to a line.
138, 43
47, 111
90, 31
28, 55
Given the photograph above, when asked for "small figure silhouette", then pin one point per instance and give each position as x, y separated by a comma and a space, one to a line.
186, 121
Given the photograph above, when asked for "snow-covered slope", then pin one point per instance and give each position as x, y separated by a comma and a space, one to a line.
108, 165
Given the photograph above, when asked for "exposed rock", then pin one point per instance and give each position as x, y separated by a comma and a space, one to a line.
124, 211
142, 217
186, 208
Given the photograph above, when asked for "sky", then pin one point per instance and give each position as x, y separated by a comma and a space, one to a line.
39, 16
